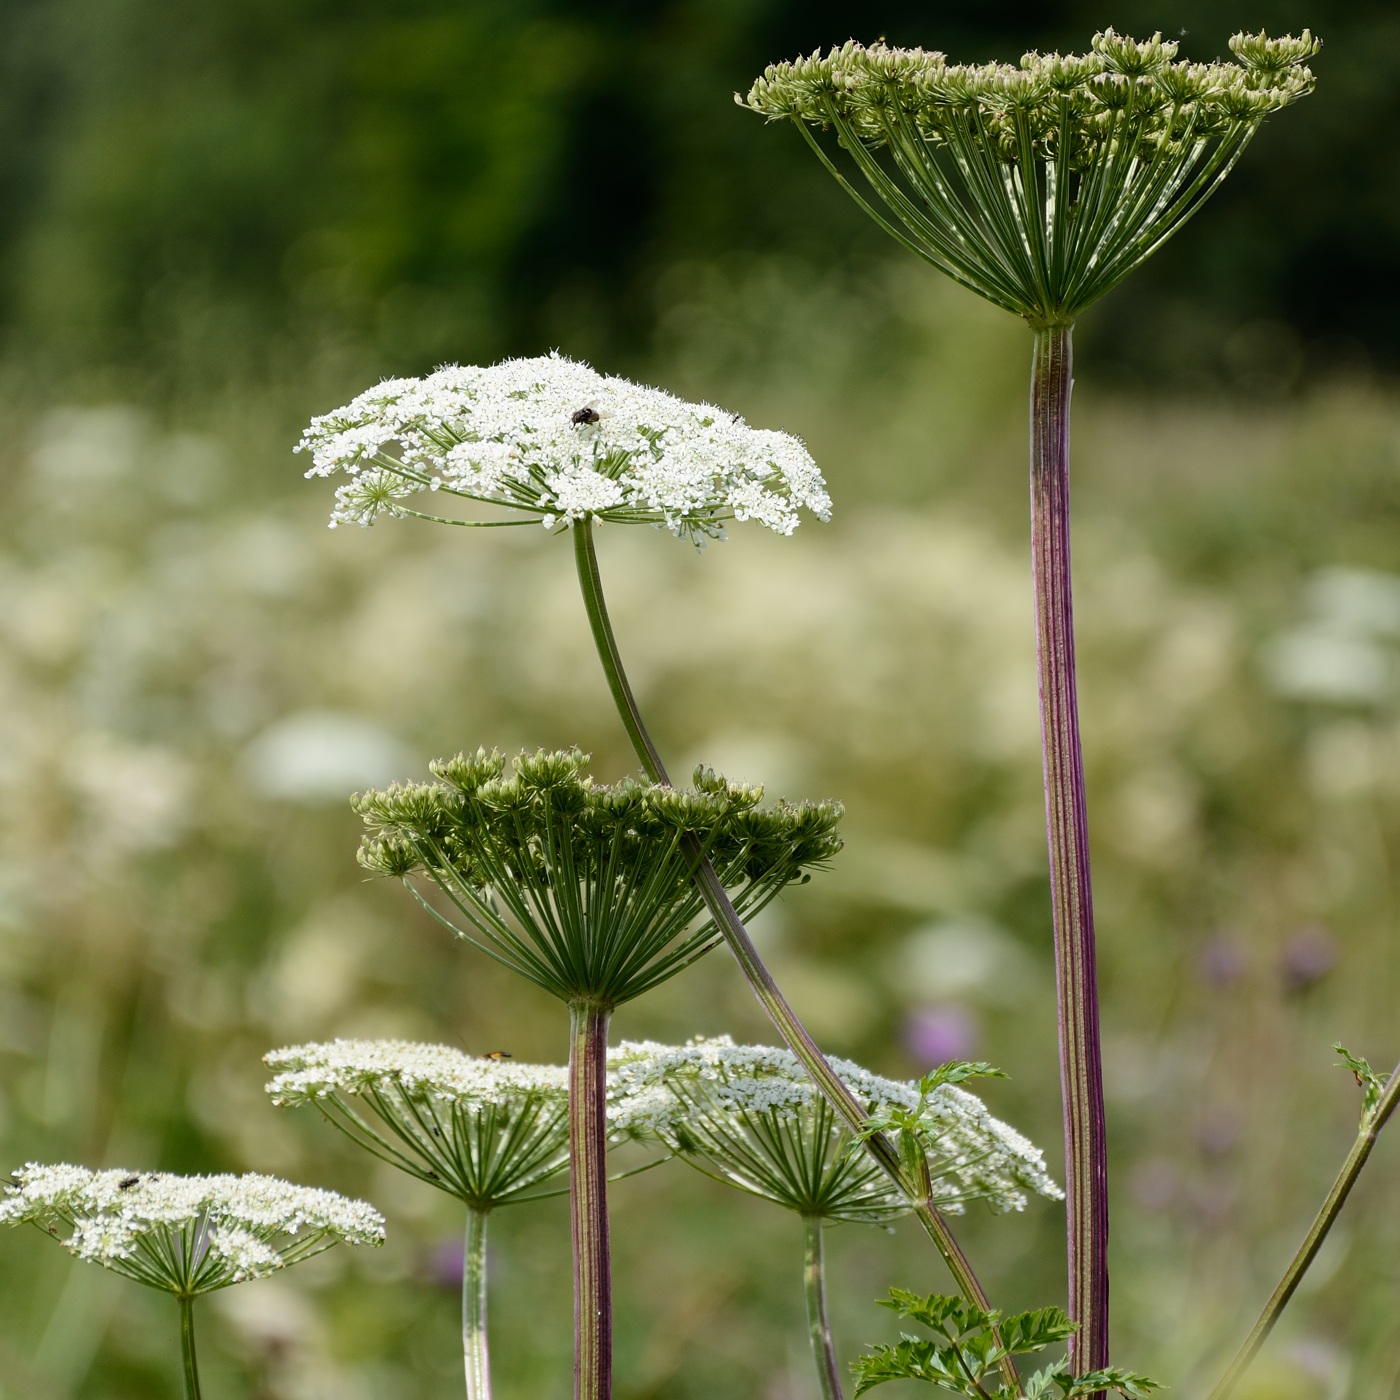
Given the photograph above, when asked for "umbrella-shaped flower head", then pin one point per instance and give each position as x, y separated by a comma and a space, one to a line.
1039, 185
551, 440
588, 889
750, 1115
187, 1235
486, 1131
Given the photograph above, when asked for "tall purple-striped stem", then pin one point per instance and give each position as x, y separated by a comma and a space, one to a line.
1067, 829
588, 1199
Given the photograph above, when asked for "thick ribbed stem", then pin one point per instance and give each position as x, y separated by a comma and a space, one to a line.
726, 917
1081, 1078
187, 1353
588, 1200
819, 1328
476, 1354
1312, 1242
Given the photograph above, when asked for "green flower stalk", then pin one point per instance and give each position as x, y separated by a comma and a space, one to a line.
186, 1235
1380, 1097
589, 892
491, 1133
552, 442
751, 1117
1040, 186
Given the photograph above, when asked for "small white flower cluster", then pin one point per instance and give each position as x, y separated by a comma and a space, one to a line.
306, 1073
486, 1130
974, 1156
555, 439
190, 1234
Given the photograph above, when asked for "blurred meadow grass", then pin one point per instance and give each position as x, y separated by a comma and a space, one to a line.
195, 673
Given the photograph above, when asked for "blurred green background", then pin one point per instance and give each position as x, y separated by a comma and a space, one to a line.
222, 216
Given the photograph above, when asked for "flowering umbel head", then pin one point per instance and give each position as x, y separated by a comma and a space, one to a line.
751, 1115
1039, 185
489, 1132
587, 889
551, 440
186, 1235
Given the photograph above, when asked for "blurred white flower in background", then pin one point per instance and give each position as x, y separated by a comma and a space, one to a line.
951, 959
317, 756
78, 449
136, 797
1344, 652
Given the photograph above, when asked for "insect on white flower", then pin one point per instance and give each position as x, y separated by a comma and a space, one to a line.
554, 440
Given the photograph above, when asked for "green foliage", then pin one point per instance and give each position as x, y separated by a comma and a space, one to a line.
1372, 1085
970, 1343
586, 889
917, 1130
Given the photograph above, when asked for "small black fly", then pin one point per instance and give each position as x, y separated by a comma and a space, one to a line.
584, 415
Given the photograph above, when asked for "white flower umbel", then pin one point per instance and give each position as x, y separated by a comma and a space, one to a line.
749, 1116
485, 1130
185, 1235
555, 440
744, 1110
488, 1131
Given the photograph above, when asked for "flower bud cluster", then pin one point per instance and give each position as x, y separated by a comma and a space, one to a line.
584, 887
553, 439
728, 1103
474, 811
186, 1234
1124, 92
1039, 185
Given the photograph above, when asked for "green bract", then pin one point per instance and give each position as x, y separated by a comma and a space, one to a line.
1039, 186
586, 889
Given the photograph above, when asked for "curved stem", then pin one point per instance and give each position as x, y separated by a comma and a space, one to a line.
187, 1352
588, 1200
726, 917
476, 1354
819, 1328
1371, 1126
1081, 1078
591, 582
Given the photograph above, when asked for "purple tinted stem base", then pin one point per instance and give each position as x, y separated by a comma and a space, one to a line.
1081, 1077
588, 1200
